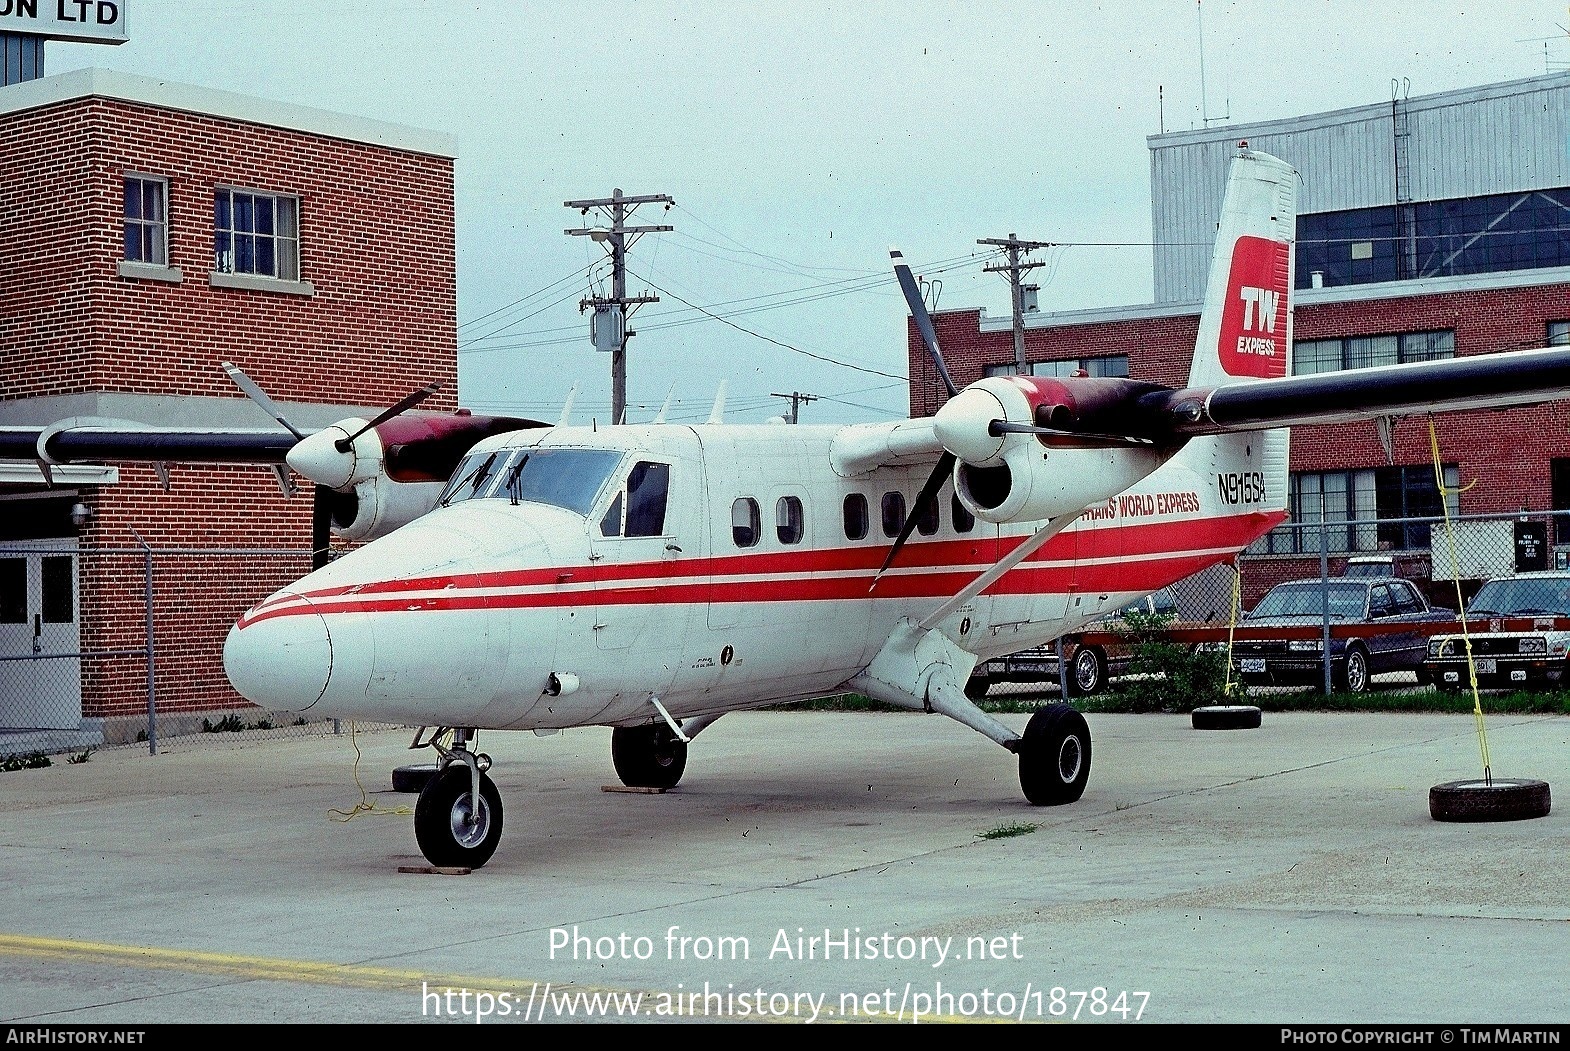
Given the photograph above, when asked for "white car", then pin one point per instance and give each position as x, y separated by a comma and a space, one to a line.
1520, 633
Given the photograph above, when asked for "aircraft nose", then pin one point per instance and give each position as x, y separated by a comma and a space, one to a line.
280, 654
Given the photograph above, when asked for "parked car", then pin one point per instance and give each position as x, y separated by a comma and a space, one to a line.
1503, 659
1090, 666
1381, 603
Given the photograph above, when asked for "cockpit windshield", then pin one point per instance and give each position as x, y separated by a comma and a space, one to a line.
567, 478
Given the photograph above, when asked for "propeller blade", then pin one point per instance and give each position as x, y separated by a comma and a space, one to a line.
256, 394
929, 492
342, 444
918, 310
321, 526
997, 427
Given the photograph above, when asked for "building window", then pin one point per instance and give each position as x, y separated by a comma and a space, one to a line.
1559, 333
789, 521
1559, 474
1464, 235
1361, 352
855, 516
256, 234
147, 220
1380, 509
1108, 365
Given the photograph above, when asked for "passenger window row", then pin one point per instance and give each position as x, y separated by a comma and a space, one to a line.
746, 520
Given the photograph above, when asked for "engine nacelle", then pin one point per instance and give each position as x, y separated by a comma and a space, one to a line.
380, 504
1005, 476
1034, 482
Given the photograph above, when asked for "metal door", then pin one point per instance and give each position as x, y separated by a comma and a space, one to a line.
40, 639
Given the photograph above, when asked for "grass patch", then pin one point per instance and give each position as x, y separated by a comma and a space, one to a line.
30, 761
1008, 830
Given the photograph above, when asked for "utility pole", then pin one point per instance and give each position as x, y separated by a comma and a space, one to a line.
609, 329
1014, 268
797, 399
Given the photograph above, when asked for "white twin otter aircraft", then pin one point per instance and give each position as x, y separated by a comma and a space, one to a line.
653, 577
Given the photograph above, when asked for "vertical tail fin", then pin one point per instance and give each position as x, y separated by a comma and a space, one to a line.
1245, 327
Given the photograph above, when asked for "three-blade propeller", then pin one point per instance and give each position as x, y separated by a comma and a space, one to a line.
323, 495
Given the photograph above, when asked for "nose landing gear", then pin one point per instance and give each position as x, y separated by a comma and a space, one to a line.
458, 814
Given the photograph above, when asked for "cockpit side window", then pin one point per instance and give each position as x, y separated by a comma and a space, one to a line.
647, 488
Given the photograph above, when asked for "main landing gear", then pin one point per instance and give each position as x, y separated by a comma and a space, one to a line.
458, 814
1054, 756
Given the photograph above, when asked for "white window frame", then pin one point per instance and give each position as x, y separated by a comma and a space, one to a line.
152, 234
283, 236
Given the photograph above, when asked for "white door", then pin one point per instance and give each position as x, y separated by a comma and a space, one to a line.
40, 672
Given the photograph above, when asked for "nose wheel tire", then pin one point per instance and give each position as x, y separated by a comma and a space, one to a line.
648, 756
451, 829
1054, 757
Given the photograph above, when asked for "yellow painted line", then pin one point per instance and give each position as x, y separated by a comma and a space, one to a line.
356, 976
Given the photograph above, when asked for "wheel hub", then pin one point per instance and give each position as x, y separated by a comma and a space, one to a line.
469, 825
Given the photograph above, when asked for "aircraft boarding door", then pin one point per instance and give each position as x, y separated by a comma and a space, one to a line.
40, 672
647, 543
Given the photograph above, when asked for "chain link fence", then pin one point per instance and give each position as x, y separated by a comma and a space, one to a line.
1445, 563
123, 646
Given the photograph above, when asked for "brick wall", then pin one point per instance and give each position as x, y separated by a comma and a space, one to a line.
376, 242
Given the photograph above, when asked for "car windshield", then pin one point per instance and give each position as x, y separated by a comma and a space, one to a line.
1303, 600
1369, 569
1523, 595
568, 478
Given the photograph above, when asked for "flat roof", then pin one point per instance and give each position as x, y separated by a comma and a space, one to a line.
211, 102
1369, 111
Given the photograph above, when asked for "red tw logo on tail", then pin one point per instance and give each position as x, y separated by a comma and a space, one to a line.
1254, 317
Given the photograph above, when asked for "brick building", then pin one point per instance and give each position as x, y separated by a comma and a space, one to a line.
148, 232
1428, 227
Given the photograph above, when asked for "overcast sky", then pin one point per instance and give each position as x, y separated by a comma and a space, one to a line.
800, 141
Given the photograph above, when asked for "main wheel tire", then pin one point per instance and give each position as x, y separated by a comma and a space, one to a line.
1054, 756
1226, 717
1499, 799
451, 830
412, 778
1353, 675
648, 756
1087, 672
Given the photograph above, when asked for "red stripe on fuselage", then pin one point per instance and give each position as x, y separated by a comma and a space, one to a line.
1136, 558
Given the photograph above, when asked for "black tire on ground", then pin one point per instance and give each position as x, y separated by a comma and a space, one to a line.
1054, 757
1087, 672
451, 831
1352, 676
412, 778
977, 685
648, 756
1499, 799
1226, 717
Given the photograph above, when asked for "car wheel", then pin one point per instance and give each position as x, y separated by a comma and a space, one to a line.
1353, 676
1088, 673
1226, 717
1496, 799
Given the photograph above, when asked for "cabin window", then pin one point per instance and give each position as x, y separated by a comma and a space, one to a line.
745, 522
855, 517
927, 517
893, 513
964, 521
789, 522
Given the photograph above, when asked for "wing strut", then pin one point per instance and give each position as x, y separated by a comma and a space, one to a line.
1050, 529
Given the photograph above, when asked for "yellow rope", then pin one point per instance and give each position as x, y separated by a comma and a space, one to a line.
1455, 575
364, 806
1237, 589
